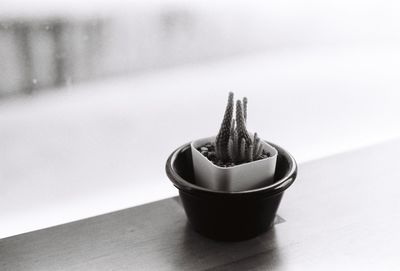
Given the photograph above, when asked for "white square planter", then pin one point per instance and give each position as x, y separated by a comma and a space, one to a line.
242, 177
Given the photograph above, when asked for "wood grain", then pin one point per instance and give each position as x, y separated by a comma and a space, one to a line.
342, 212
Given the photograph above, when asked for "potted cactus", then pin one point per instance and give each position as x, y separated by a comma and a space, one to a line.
220, 162
231, 184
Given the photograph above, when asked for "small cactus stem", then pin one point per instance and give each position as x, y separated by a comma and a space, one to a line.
222, 139
235, 147
255, 139
245, 109
216, 150
241, 125
231, 150
233, 128
256, 143
242, 150
250, 153
259, 151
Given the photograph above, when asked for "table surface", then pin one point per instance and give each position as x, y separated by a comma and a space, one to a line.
341, 212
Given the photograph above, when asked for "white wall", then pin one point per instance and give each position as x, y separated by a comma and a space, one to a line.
100, 38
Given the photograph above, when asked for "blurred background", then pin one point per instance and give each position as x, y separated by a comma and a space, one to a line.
94, 95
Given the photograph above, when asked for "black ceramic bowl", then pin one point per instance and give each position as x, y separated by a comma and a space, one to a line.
230, 216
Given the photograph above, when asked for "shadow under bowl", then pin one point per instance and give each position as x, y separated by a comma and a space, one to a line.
229, 216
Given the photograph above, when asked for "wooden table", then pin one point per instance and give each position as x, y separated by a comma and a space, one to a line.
342, 213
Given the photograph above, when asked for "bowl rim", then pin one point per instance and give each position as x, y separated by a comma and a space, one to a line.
277, 187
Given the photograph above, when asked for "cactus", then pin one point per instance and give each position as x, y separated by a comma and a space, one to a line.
245, 108
241, 124
233, 144
222, 139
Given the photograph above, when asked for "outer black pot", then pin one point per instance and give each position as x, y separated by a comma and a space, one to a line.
230, 216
